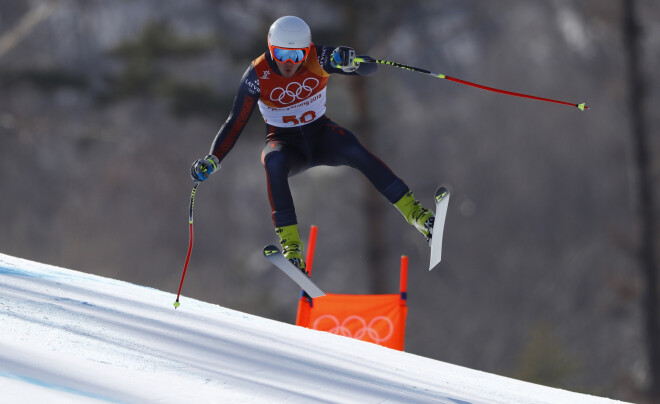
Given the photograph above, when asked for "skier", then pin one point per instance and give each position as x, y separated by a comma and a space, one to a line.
288, 83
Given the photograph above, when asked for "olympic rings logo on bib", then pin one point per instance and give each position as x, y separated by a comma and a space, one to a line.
294, 91
363, 332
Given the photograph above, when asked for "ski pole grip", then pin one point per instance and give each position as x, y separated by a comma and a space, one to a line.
364, 59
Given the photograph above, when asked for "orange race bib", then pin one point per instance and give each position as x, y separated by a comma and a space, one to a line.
295, 101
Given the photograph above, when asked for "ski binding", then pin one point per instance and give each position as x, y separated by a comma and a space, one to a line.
275, 256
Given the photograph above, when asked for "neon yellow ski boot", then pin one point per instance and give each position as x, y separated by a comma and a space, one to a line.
292, 247
416, 215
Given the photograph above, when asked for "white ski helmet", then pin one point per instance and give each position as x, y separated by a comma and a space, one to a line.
289, 32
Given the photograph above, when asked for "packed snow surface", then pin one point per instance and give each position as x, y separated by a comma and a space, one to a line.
67, 336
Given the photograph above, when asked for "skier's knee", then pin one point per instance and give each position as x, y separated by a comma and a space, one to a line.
274, 161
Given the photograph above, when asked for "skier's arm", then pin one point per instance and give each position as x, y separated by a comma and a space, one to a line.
244, 103
332, 58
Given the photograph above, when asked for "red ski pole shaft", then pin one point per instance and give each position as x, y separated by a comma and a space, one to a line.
311, 246
581, 106
190, 243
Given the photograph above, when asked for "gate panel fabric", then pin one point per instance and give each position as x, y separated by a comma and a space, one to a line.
380, 319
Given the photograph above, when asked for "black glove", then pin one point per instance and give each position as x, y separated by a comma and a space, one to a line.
343, 58
203, 168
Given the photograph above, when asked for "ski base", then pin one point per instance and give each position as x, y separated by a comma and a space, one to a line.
275, 256
441, 204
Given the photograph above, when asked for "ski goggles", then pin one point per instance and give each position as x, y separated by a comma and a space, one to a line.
293, 55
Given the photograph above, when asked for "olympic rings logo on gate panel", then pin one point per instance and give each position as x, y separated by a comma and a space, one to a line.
365, 330
294, 91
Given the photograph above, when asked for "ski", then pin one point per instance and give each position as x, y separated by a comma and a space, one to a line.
274, 255
441, 204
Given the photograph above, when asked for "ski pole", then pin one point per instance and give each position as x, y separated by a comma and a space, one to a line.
368, 59
190, 244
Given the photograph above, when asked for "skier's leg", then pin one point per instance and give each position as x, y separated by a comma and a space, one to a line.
279, 162
341, 142
340, 147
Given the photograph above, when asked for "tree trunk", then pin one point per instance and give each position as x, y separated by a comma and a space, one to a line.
649, 234
374, 203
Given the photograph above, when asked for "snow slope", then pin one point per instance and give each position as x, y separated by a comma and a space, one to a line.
67, 336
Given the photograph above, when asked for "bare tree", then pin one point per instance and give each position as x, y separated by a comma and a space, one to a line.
647, 216
372, 207
26, 25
